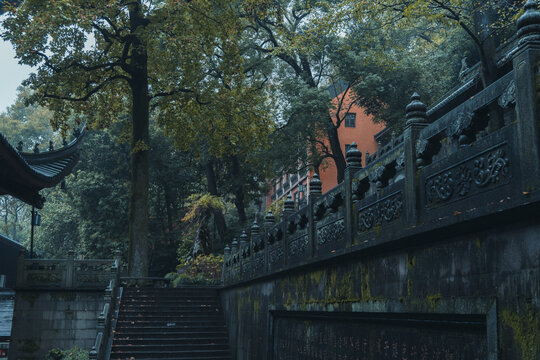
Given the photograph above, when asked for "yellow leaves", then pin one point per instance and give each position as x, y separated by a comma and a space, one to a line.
200, 204
139, 146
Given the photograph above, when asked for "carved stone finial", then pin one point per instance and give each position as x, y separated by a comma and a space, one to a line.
243, 238
315, 186
528, 24
36, 148
288, 206
255, 228
354, 156
416, 111
234, 245
227, 250
270, 219
51, 145
20, 146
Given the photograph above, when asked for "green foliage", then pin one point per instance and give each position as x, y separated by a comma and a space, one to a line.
184, 279
201, 205
74, 353
204, 269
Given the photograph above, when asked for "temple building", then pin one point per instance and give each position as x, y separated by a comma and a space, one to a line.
24, 175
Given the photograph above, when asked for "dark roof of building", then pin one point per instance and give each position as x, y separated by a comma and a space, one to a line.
23, 175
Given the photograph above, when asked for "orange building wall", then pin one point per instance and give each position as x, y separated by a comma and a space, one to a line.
362, 135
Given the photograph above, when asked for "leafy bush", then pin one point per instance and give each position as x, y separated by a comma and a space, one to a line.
74, 353
184, 279
203, 269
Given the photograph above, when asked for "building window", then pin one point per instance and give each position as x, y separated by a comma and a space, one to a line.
350, 120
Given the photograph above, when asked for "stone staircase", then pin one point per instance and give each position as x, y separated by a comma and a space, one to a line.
161, 323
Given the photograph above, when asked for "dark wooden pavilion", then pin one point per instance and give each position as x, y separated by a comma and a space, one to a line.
24, 175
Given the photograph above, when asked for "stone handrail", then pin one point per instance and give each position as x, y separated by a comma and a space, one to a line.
104, 329
480, 158
64, 273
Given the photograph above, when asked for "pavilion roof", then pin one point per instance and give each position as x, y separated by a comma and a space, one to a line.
23, 175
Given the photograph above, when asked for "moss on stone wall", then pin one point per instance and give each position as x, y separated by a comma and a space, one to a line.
526, 330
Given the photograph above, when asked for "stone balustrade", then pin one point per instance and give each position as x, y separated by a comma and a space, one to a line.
473, 154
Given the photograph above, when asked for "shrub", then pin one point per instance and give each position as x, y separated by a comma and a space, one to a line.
74, 353
203, 269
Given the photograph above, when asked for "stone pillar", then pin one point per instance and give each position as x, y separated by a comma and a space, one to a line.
315, 192
354, 164
288, 213
269, 222
226, 258
416, 121
255, 245
525, 62
234, 261
70, 268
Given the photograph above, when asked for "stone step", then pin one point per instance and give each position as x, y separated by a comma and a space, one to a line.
170, 334
169, 347
168, 323
141, 329
226, 357
209, 354
195, 312
144, 339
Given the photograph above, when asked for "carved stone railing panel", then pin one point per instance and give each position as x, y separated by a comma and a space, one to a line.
44, 273
65, 273
468, 122
92, 273
378, 211
487, 166
299, 245
329, 215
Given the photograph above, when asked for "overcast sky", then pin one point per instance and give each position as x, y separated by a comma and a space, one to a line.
12, 75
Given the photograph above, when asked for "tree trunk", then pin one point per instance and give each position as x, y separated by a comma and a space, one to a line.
238, 190
337, 153
138, 258
219, 219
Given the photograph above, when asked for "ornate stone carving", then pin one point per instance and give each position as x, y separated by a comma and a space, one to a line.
487, 168
383, 211
509, 95
298, 246
275, 254
461, 124
331, 232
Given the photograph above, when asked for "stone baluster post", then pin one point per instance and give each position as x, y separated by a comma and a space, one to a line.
416, 121
354, 164
269, 222
226, 264
70, 269
525, 63
234, 260
245, 254
255, 243
315, 192
288, 213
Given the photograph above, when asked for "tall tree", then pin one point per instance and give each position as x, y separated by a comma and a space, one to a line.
285, 30
95, 58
